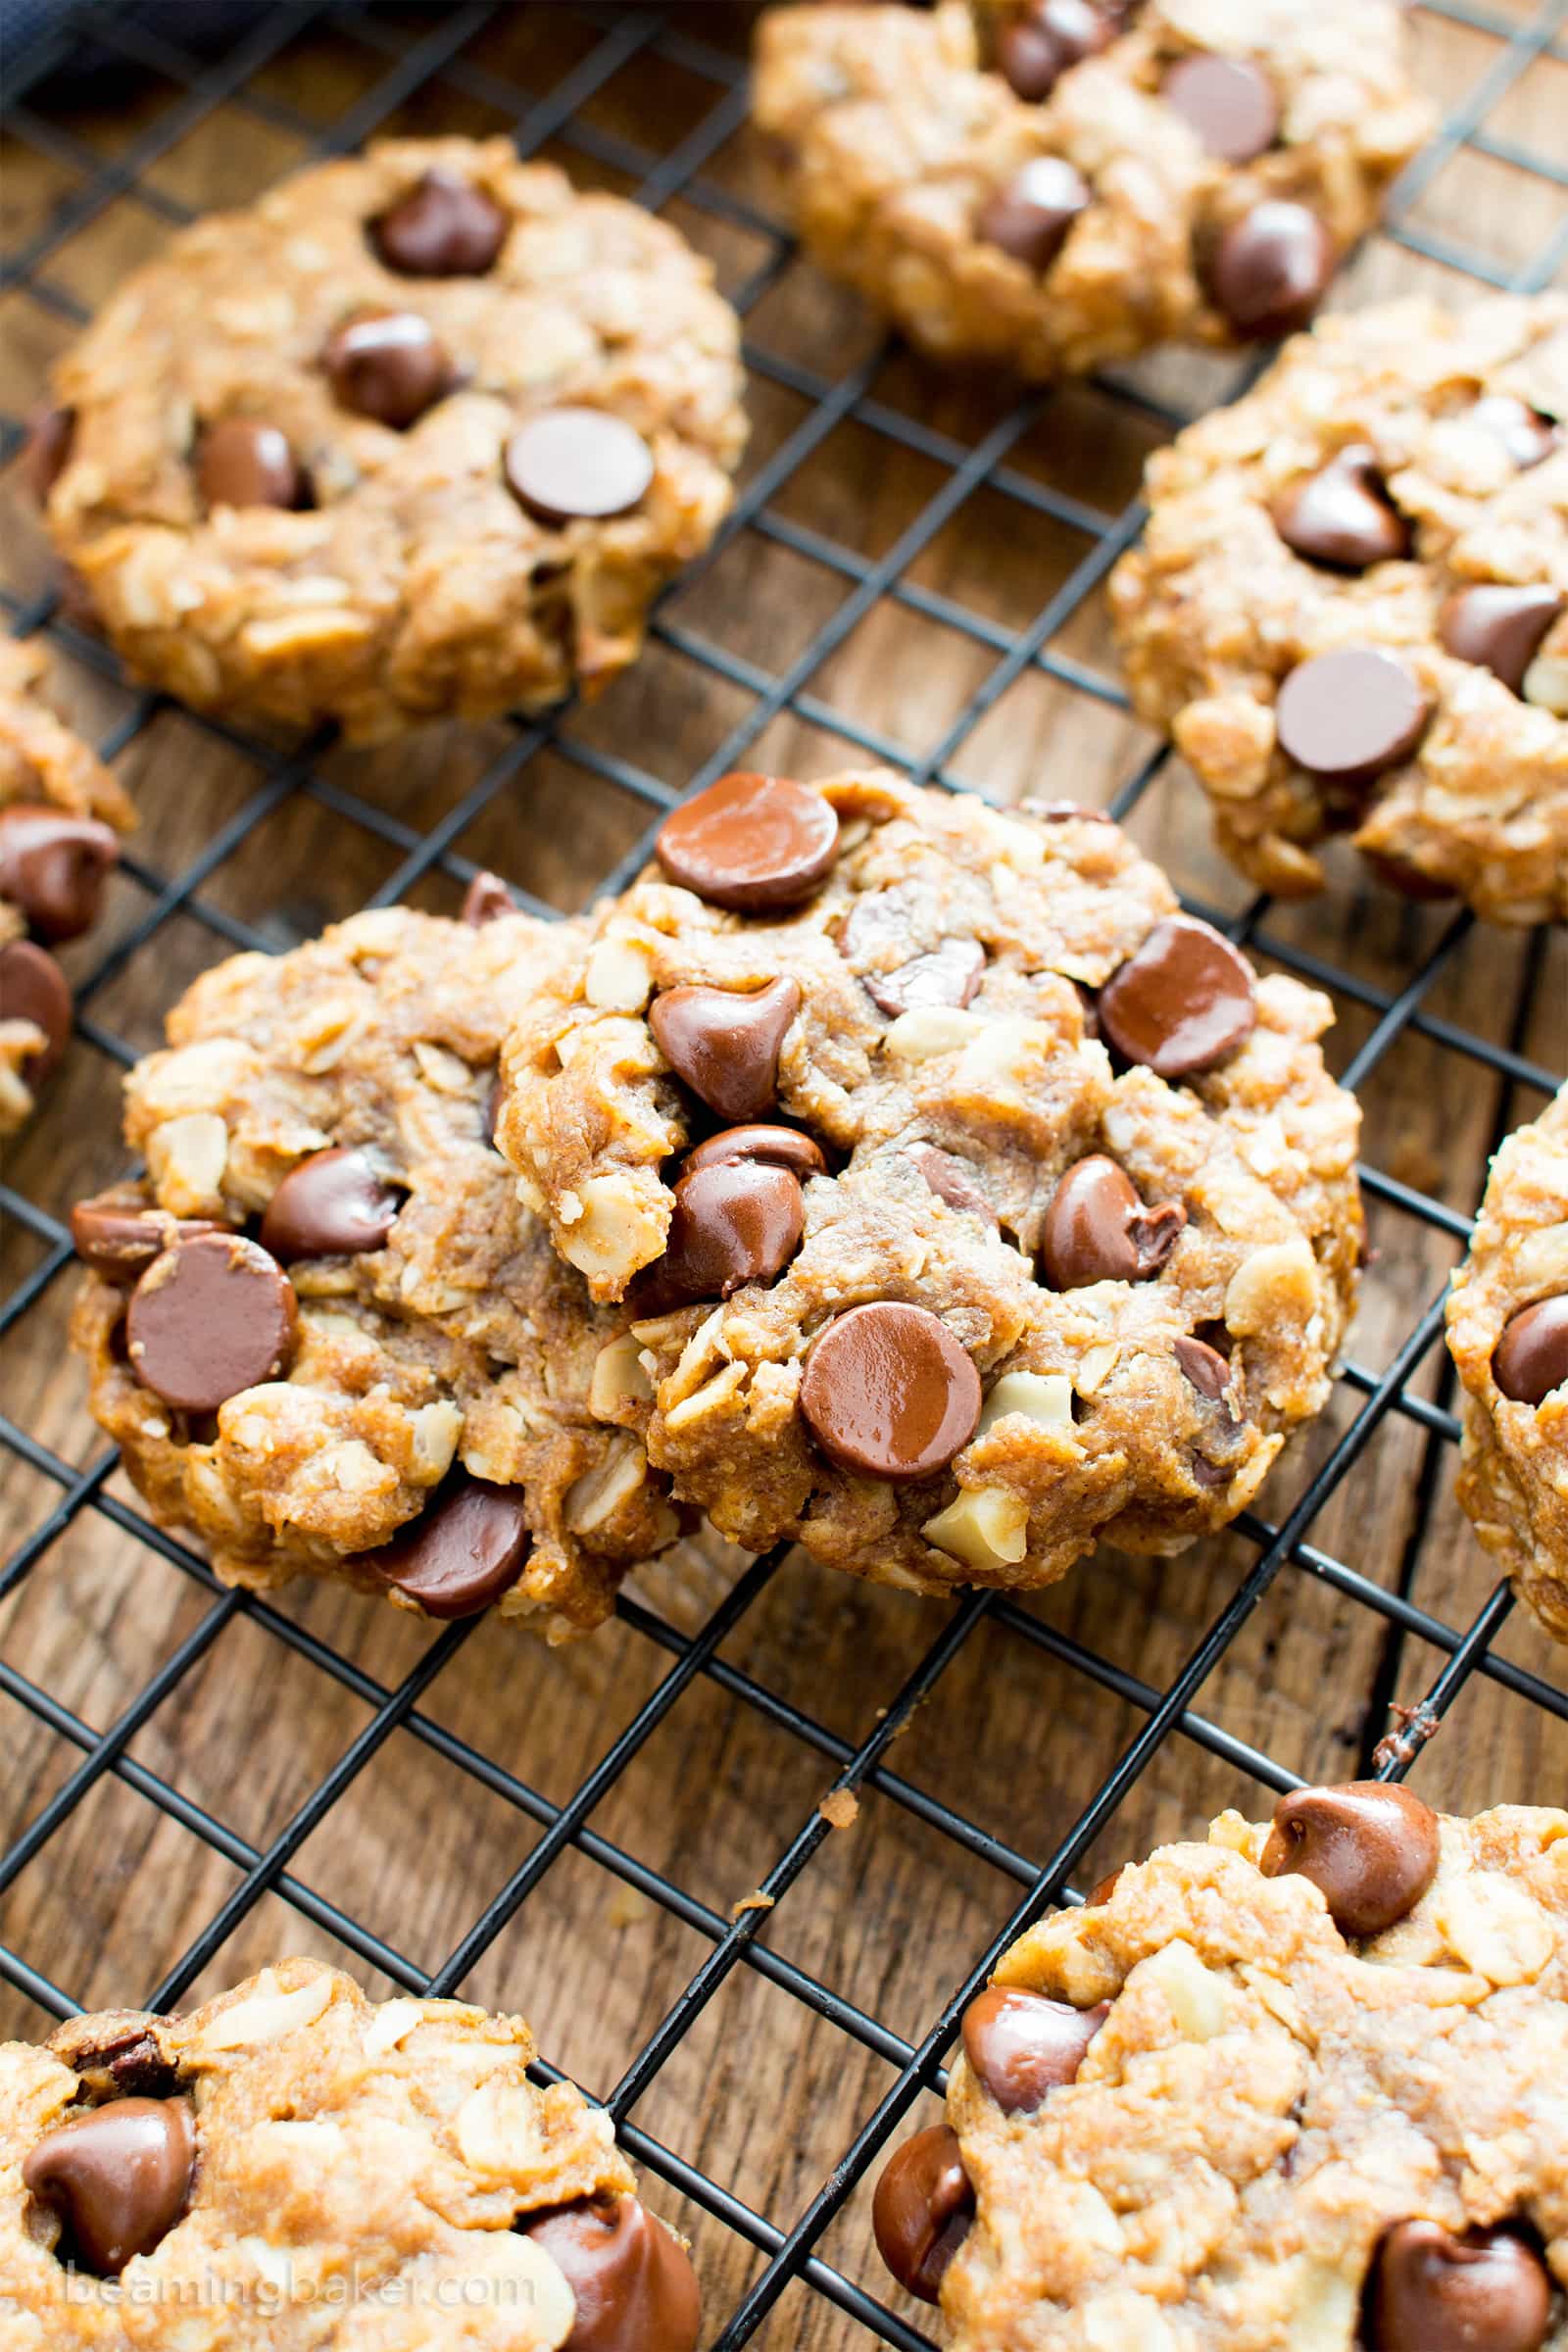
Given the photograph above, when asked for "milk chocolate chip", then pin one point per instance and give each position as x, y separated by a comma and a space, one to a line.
951, 1180
1498, 628
724, 1045
736, 1222
244, 463
32, 988
923, 2210
1029, 218
578, 464
1531, 1358
1036, 48
1341, 516
121, 1242
774, 1146
333, 1204
632, 2280
1524, 432
485, 901
387, 365
1271, 268
889, 1392
1228, 101
1098, 1230
1350, 716
1370, 1847
1203, 1366
211, 1316
1430, 2292
119, 2177
444, 227
53, 866
462, 1554
1182, 1001
1022, 2045
750, 843
948, 974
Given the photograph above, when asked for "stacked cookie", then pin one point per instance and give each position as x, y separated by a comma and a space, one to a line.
882, 1171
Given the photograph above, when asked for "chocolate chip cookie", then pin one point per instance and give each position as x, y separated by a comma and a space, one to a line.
1351, 606
1056, 185
324, 1331
1295, 2089
292, 2165
971, 1202
61, 815
420, 435
1508, 1336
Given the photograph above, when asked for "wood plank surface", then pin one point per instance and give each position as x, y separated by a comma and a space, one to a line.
1018, 1730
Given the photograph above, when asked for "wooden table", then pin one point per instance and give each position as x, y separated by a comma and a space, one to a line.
1017, 1727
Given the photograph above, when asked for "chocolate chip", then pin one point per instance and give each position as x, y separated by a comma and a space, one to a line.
750, 843
53, 866
32, 988
1203, 1366
567, 465
948, 974
1531, 1358
1271, 268
333, 1205
1030, 218
1182, 1001
1350, 716
923, 2209
724, 1045
485, 901
1036, 48
462, 1554
1097, 1229
1341, 516
46, 452
1498, 628
387, 365
1022, 2045
121, 1242
1370, 1847
889, 1392
774, 1146
444, 227
1430, 2292
951, 1180
119, 2177
1527, 435
738, 1222
1104, 1889
211, 1316
630, 2278
1228, 101
243, 463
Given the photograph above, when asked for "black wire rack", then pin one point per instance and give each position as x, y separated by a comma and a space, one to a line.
412, 49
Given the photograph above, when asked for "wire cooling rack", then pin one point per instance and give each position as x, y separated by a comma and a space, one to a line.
405, 54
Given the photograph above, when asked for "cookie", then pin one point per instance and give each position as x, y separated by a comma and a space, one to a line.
971, 1202
420, 435
1508, 1336
61, 815
1351, 606
327, 1335
1053, 187
291, 2165
1300, 2087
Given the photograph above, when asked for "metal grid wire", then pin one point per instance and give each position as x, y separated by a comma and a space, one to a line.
788, 2248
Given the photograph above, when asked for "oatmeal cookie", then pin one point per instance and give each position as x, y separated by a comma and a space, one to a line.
1508, 1336
1055, 186
418, 435
1351, 607
1296, 2089
325, 1333
292, 2165
972, 1203
61, 815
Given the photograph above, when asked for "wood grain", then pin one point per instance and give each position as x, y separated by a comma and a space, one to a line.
763, 2094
